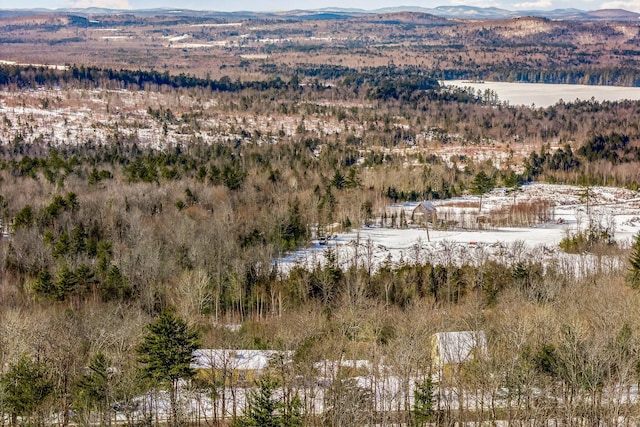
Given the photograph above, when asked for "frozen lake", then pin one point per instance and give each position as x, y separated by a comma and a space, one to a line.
545, 95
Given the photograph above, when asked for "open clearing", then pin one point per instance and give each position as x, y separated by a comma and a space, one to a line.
615, 209
545, 95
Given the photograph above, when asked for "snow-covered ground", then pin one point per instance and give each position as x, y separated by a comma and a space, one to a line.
388, 392
545, 95
469, 242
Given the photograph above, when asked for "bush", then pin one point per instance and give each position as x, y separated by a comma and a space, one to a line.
586, 240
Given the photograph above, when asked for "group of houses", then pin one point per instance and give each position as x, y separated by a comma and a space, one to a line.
449, 352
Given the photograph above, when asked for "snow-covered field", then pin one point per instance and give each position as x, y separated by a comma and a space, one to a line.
616, 209
545, 95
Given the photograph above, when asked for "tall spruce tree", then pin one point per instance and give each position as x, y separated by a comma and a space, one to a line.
425, 402
167, 352
482, 184
634, 264
265, 409
94, 388
25, 386
262, 409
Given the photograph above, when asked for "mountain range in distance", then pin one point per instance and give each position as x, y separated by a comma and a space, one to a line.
472, 12
449, 12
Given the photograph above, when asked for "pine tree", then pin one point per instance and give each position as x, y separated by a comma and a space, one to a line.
25, 387
66, 283
424, 401
93, 386
587, 196
292, 414
482, 184
513, 182
24, 218
634, 264
262, 406
44, 284
264, 409
167, 352
338, 180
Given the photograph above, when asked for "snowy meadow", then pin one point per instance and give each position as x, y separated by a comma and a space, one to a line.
545, 95
467, 238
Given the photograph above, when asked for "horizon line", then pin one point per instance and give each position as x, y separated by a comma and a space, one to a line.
322, 9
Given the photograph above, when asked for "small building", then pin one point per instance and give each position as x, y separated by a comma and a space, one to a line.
240, 367
451, 350
424, 213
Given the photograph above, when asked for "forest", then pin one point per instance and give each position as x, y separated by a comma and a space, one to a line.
121, 254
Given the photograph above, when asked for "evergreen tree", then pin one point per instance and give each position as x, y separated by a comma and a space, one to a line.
93, 387
338, 180
292, 414
264, 409
353, 180
587, 196
25, 387
62, 246
44, 284
78, 240
167, 352
482, 184
293, 229
513, 182
66, 283
115, 285
424, 401
634, 264
262, 406
24, 218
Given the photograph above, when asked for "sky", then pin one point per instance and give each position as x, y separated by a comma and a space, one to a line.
261, 5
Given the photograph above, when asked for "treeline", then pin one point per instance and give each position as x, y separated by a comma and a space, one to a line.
509, 72
446, 116
234, 196
612, 153
389, 78
520, 73
31, 76
247, 205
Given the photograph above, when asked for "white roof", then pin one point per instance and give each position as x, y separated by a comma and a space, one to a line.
428, 206
458, 347
243, 360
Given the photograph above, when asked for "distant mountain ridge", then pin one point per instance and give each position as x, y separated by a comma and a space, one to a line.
449, 12
473, 12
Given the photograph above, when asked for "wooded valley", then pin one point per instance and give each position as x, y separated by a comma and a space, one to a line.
145, 213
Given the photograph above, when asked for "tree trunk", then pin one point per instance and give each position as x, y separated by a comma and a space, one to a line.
174, 404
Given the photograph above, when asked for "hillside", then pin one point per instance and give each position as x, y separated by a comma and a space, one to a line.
590, 51
288, 219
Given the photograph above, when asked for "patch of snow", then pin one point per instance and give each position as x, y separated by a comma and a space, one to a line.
374, 246
545, 95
